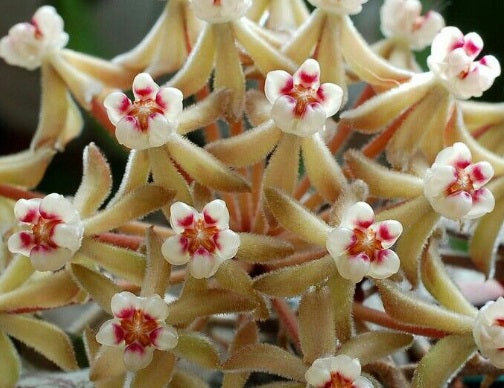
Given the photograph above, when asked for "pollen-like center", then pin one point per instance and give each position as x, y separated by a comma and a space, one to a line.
43, 231
142, 110
365, 242
338, 381
303, 97
462, 183
201, 235
138, 327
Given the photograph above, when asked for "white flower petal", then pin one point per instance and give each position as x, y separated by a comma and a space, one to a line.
182, 216
165, 338
144, 87
338, 241
216, 213
330, 96
311, 122
154, 306
282, 112
359, 215
458, 155
352, 268
444, 42
317, 376
68, 236
473, 44
45, 258
129, 134
27, 210
228, 243
308, 74
483, 203
160, 130
221, 12
170, 100
174, 250
56, 206
203, 264
347, 366
480, 173
387, 232
454, 206
117, 105
437, 180
110, 333
277, 83
50, 24
124, 304
385, 264
137, 357
21, 242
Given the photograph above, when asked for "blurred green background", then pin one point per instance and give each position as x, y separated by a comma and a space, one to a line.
109, 27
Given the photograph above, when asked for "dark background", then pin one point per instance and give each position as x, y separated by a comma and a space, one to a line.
109, 27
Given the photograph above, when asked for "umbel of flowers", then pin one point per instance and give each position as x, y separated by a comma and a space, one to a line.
270, 253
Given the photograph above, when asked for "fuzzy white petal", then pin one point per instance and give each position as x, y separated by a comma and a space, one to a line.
385, 264
352, 268
338, 241
182, 216
228, 243
216, 213
174, 250
277, 83
137, 357
45, 258
165, 338
359, 215
117, 105
144, 87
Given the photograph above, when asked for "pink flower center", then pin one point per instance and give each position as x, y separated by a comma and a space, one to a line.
462, 183
37, 33
419, 22
43, 231
142, 110
303, 97
201, 235
365, 242
338, 381
137, 328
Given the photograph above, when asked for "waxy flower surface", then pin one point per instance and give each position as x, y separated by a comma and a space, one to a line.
453, 61
52, 231
402, 20
151, 119
336, 372
138, 325
203, 239
301, 104
345, 7
454, 185
27, 44
359, 246
220, 11
488, 331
